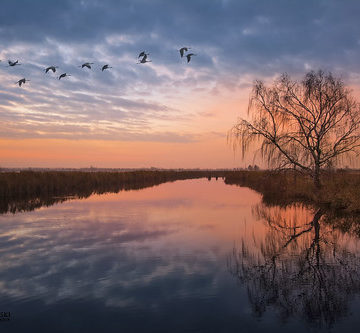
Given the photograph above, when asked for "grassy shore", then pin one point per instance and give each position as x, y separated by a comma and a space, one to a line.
24, 183
27, 190
340, 190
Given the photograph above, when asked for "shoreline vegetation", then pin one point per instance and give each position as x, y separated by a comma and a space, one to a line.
28, 190
340, 191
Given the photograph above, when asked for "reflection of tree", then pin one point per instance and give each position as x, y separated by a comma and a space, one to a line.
302, 267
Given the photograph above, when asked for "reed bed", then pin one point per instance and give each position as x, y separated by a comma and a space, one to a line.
27, 190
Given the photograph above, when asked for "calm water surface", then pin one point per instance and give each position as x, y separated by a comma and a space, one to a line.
188, 256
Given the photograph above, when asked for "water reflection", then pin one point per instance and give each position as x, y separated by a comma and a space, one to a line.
28, 190
154, 260
147, 261
303, 267
19, 202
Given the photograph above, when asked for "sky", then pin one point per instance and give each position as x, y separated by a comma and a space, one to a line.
165, 113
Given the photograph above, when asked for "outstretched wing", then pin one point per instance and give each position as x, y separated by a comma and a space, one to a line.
182, 50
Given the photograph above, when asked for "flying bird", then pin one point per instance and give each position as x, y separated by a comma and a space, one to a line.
12, 64
52, 68
188, 56
87, 64
63, 75
182, 50
105, 67
143, 53
22, 81
143, 60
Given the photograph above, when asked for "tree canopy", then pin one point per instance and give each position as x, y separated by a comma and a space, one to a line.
307, 125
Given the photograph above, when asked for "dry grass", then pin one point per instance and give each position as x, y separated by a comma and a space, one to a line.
31, 189
340, 191
28, 190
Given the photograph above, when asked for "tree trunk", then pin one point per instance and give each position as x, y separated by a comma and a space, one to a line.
316, 241
316, 177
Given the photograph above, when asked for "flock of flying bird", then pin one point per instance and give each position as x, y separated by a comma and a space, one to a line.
143, 55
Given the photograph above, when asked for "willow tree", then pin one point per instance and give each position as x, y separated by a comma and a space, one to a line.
307, 125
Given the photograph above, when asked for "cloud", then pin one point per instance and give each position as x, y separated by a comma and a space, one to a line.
232, 40
116, 256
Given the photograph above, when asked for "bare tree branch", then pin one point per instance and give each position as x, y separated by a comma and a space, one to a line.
308, 124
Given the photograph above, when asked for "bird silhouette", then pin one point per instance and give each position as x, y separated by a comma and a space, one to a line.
22, 81
52, 68
143, 53
188, 56
63, 75
144, 60
87, 64
105, 67
13, 63
182, 50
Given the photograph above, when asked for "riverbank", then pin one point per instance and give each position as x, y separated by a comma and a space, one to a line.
340, 191
27, 190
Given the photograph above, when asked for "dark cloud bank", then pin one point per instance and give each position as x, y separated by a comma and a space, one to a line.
232, 39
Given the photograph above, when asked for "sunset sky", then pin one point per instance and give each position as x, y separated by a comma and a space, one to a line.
165, 113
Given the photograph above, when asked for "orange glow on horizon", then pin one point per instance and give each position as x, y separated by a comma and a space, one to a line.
210, 153
206, 122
